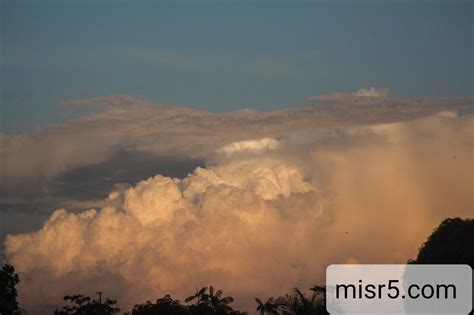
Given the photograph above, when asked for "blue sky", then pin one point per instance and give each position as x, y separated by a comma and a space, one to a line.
227, 56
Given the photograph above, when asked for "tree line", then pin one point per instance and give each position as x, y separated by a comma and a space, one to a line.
452, 242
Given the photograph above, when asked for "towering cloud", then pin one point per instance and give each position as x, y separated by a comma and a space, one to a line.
269, 211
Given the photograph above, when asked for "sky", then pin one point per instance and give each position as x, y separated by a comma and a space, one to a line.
226, 56
143, 140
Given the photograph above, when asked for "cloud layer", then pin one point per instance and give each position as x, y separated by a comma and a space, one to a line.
128, 126
366, 94
282, 195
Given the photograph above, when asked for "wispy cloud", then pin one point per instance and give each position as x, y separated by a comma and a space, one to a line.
102, 101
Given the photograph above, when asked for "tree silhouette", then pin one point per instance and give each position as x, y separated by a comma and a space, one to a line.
452, 242
319, 299
198, 296
219, 303
202, 305
269, 307
8, 295
298, 303
84, 305
165, 305
210, 301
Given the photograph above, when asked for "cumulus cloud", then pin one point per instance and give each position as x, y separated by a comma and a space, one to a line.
125, 124
266, 213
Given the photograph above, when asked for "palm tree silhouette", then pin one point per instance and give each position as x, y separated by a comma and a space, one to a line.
269, 307
208, 300
219, 303
298, 303
199, 295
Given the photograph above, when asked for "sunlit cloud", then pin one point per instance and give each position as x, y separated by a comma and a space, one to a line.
281, 195
366, 94
130, 126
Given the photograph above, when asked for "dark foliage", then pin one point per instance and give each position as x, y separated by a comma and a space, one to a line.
298, 303
270, 306
207, 301
452, 242
210, 301
8, 295
165, 305
84, 305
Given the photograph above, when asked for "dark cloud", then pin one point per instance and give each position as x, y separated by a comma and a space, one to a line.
96, 181
85, 187
75, 164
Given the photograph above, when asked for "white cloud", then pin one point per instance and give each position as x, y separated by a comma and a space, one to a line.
372, 92
251, 145
128, 124
263, 217
367, 94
